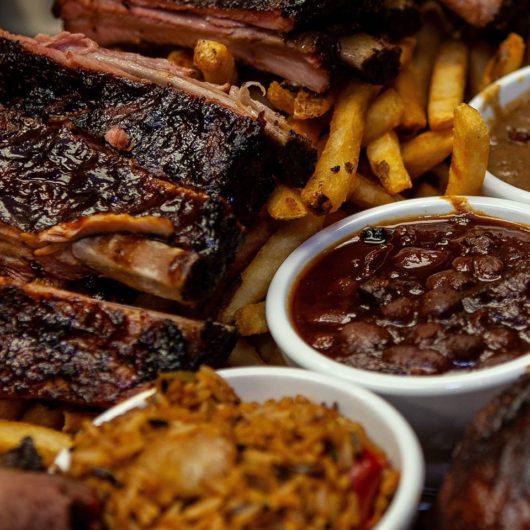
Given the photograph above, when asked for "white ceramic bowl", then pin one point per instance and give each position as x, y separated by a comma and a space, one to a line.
437, 407
384, 425
497, 97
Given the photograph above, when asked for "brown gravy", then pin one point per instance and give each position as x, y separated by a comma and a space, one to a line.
510, 145
420, 297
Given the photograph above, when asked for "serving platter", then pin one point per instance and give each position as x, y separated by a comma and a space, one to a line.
29, 17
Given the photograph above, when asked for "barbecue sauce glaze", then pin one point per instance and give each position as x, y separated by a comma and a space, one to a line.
420, 298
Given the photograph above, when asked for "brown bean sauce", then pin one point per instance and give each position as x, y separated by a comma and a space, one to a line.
510, 145
422, 297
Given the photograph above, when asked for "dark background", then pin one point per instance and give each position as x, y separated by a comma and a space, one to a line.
28, 17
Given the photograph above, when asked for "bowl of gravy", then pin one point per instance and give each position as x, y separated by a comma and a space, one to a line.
505, 106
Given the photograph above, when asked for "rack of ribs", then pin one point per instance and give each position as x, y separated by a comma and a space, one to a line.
180, 129
65, 347
286, 38
75, 209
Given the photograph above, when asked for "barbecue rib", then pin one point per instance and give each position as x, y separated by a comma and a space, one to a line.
263, 33
65, 347
176, 127
76, 209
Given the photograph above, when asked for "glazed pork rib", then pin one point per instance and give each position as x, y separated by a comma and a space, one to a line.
276, 36
75, 209
66, 347
178, 128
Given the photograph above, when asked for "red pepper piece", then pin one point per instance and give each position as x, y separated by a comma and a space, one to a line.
366, 475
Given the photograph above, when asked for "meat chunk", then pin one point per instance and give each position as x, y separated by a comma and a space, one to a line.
33, 501
487, 486
66, 347
74, 189
289, 39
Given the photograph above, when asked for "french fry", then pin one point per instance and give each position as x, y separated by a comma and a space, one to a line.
509, 57
47, 441
479, 56
285, 204
215, 62
244, 355
448, 84
407, 45
255, 279
384, 155
426, 151
301, 105
250, 320
470, 152
40, 414
336, 169
428, 42
409, 90
426, 190
281, 98
383, 115
441, 172
368, 194
308, 105
255, 237
12, 409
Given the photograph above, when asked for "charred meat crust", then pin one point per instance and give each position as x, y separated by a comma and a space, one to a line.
184, 138
64, 347
487, 486
301, 14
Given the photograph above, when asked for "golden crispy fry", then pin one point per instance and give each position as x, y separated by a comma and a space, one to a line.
509, 57
428, 42
368, 194
285, 204
281, 98
384, 115
384, 155
244, 355
311, 129
301, 105
407, 45
40, 414
182, 58
308, 105
448, 84
336, 169
47, 441
250, 320
256, 278
12, 409
470, 152
426, 190
426, 151
480, 54
409, 90
215, 62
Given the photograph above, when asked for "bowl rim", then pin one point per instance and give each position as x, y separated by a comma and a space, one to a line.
296, 351
403, 506
492, 184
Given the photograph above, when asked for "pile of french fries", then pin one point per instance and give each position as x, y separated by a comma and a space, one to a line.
414, 138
